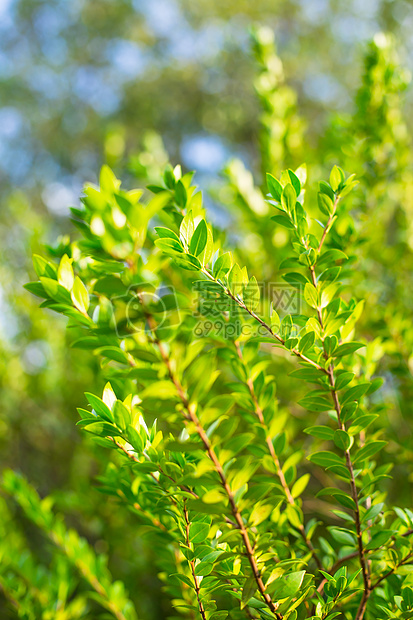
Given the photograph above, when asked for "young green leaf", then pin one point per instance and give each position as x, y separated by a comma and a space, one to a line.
199, 239
222, 266
251, 295
274, 186
80, 296
311, 295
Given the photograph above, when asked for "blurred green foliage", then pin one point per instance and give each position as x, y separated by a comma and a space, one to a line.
87, 82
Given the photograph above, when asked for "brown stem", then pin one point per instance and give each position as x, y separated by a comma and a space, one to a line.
190, 416
186, 589
350, 556
328, 225
276, 336
260, 415
390, 572
354, 494
192, 565
349, 464
336, 566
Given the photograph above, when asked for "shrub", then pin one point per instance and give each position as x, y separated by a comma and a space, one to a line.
225, 478
240, 419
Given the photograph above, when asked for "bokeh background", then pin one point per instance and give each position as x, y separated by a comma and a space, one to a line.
134, 84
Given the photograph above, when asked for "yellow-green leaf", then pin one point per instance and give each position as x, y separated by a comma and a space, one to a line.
65, 273
80, 296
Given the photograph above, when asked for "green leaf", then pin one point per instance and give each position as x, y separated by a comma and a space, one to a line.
107, 180
56, 291
311, 295
251, 295
99, 406
343, 379
348, 348
306, 342
372, 512
216, 508
283, 220
180, 194
160, 390
300, 485
248, 591
325, 459
316, 403
286, 327
348, 188
36, 288
343, 536
103, 429
361, 423
295, 181
186, 261
330, 256
113, 353
326, 189
199, 239
187, 227
336, 177
348, 411
375, 385
169, 177
354, 393
322, 432
165, 233
198, 532
294, 515
183, 578
206, 255
288, 197
43, 268
203, 568
286, 586
80, 296
379, 539
295, 278
121, 414
213, 496
222, 266
369, 450
325, 204
309, 374
235, 280
274, 187
275, 321
342, 439
169, 245
340, 496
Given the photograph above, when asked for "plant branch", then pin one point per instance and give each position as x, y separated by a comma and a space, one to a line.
192, 565
191, 416
260, 415
274, 335
390, 572
349, 464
